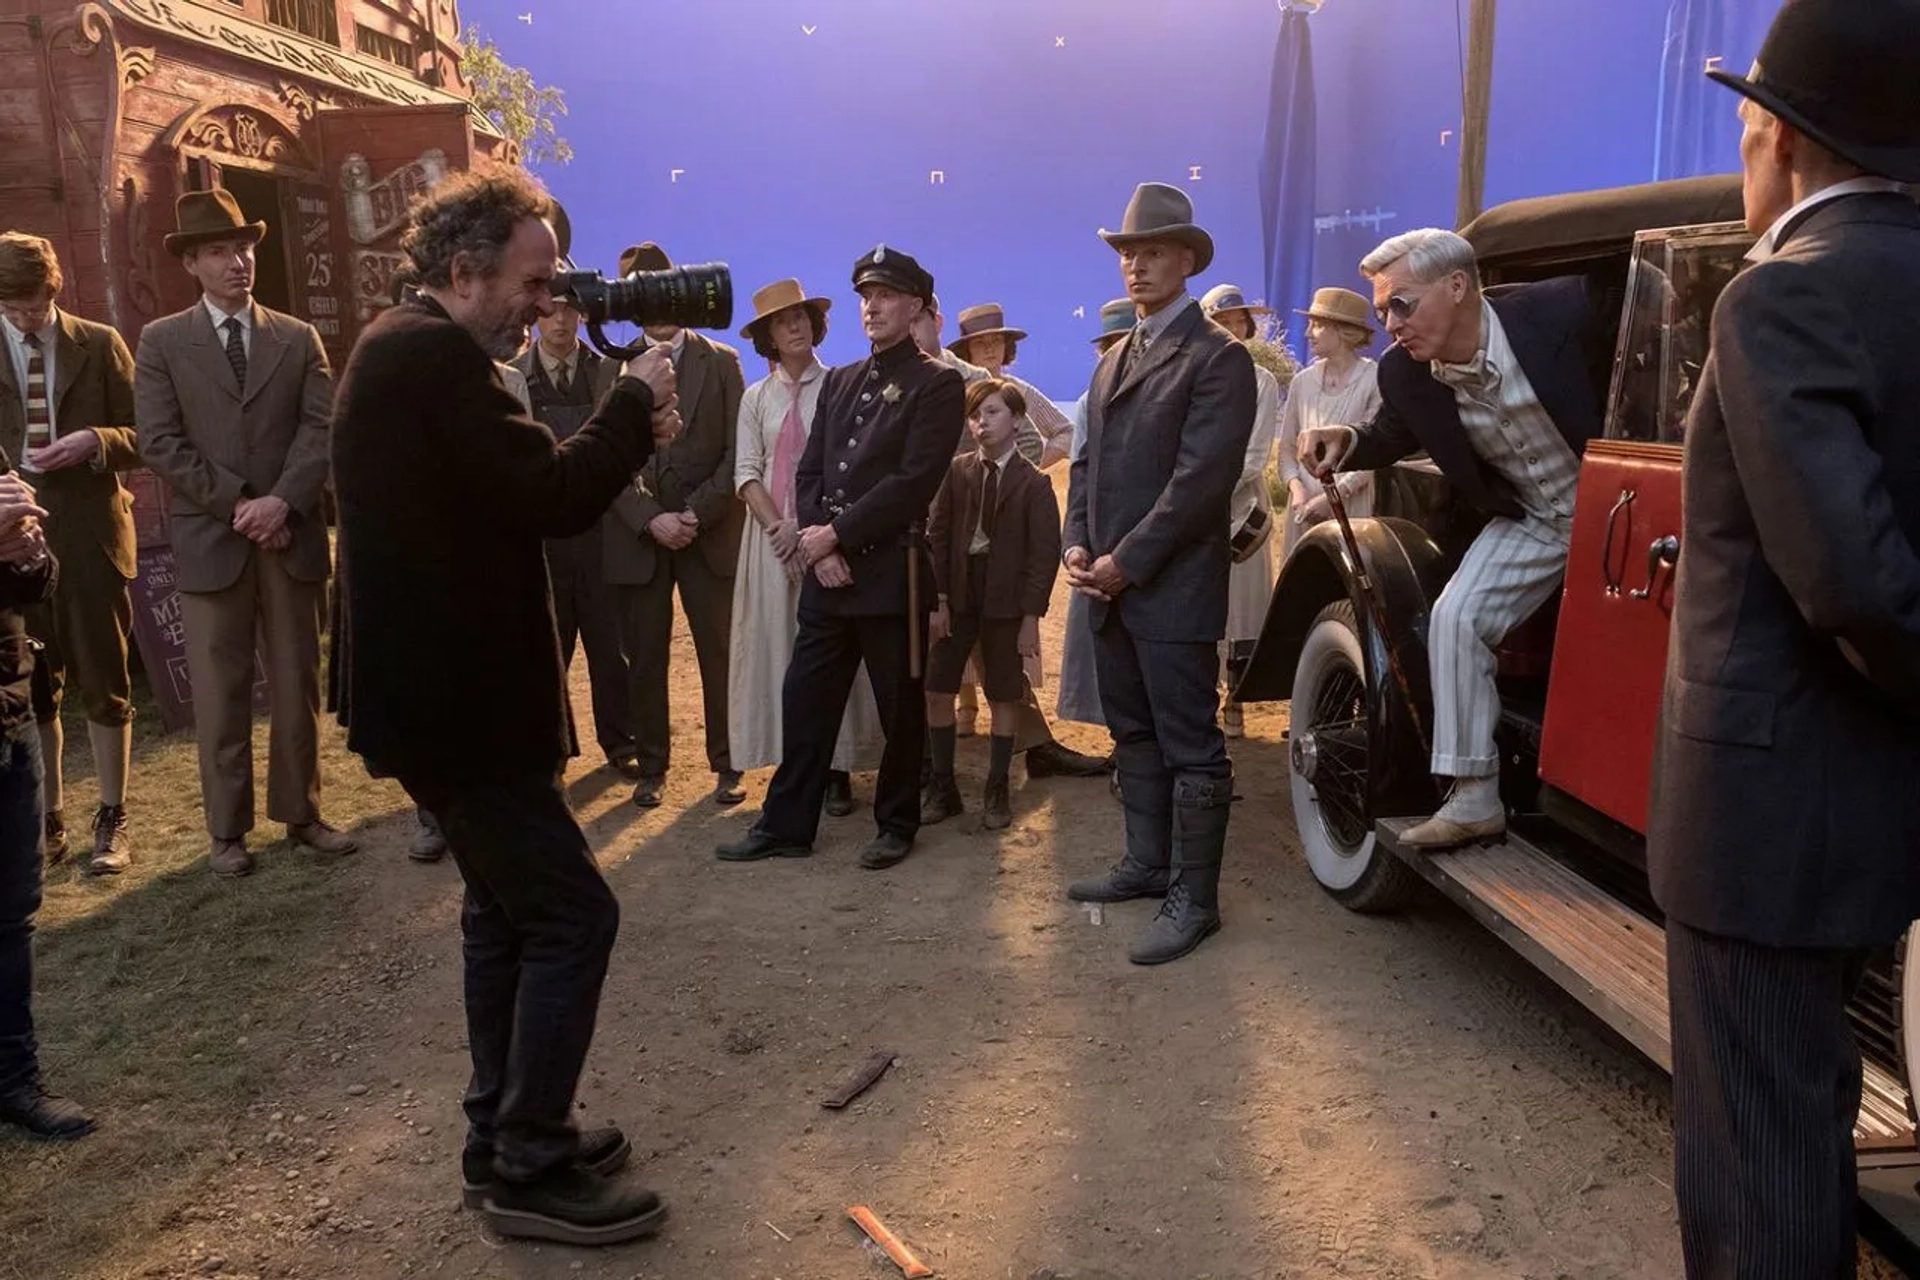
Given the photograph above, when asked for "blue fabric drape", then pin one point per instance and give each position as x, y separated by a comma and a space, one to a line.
1288, 168
1697, 130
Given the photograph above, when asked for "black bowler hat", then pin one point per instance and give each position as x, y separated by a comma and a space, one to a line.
1847, 74
895, 269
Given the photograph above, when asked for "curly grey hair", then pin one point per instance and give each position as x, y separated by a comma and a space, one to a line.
473, 212
1430, 253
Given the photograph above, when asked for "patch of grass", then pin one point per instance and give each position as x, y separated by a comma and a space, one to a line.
167, 1001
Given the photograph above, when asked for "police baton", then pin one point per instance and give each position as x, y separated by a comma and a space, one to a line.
916, 619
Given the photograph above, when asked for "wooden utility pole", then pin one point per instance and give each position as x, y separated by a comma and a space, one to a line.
1476, 108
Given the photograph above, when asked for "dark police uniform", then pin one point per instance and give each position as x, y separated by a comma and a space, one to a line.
882, 439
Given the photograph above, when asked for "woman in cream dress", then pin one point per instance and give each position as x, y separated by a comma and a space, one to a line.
1341, 386
776, 415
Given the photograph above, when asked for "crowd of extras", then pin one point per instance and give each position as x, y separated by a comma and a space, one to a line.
862, 557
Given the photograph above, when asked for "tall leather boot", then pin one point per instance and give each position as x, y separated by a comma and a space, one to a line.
1191, 911
1146, 797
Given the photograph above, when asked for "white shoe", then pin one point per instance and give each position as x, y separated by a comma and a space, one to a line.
1472, 812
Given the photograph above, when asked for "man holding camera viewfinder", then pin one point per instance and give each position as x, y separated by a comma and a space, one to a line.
447, 489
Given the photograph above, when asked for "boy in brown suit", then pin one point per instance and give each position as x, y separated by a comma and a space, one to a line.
996, 551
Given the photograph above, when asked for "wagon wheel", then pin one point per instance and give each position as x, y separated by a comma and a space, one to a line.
1331, 767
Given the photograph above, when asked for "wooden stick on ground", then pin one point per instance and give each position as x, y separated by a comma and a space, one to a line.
903, 1257
862, 1080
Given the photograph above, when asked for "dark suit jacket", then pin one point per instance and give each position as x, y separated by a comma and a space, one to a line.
446, 490
883, 436
214, 445
20, 588
1559, 337
694, 473
1786, 800
88, 508
1024, 558
1154, 484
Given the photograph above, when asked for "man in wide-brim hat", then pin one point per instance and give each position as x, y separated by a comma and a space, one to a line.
1784, 818
1168, 418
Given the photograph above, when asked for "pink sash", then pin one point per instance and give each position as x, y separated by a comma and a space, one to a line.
787, 447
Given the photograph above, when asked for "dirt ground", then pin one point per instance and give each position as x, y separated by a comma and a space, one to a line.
1313, 1093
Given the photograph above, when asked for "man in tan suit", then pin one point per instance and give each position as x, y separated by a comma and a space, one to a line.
232, 402
66, 424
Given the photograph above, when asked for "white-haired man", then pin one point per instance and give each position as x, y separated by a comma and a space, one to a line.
1503, 394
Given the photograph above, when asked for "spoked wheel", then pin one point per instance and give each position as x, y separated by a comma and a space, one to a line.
1332, 769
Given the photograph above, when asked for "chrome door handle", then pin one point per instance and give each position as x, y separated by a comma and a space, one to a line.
1606, 548
1662, 551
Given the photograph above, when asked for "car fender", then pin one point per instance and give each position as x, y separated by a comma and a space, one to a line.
1407, 570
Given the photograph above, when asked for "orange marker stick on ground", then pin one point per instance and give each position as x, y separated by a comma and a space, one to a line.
877, 1232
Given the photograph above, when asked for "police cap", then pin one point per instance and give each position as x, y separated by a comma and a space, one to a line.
895, 269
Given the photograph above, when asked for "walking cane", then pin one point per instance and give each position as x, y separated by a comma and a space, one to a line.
915, 619
1364, 581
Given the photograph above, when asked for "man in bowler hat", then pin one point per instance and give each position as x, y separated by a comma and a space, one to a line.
1168, 418
1785, 828
883, 437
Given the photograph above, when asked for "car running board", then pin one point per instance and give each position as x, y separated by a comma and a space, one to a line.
1606, 955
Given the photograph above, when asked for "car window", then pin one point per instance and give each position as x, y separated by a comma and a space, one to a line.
1675, 280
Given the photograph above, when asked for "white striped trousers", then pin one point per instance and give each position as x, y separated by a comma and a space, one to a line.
1511, 569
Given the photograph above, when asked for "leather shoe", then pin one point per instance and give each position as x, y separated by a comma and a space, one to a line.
1438, 833
53, 843
318, 837
429, 844
44, 1115
572, 1206
627, 766
885, 850
839, 802
1181, 925
727, 790
1053, 760
997, 812
230, 858
758, 846
1123, 882
112, 847
604, 1152
646, 792
941, 800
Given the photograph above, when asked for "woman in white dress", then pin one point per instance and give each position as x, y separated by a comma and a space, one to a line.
776, 415
1341, 387
1250, 584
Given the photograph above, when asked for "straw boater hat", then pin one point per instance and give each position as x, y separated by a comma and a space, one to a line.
980, 321
1117, 319
1844, 73
1227, 297
778, 296
645, 256
205, 216
1340, 306
1160, 212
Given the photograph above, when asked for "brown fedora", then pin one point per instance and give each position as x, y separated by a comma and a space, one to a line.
1340, 306
778, 296
1160, 212
645, 256
204, 216
978, 322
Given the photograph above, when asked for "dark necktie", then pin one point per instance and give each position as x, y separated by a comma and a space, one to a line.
236, 351
562, 380
990, 499
39, 416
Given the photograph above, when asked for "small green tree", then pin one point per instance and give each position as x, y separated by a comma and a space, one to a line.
524, 111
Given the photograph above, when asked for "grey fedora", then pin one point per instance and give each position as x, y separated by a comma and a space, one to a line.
1161, 212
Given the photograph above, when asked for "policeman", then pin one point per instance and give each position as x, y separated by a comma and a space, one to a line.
883, 435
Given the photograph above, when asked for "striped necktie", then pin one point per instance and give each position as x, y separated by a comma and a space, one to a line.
236, 350
39, 410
